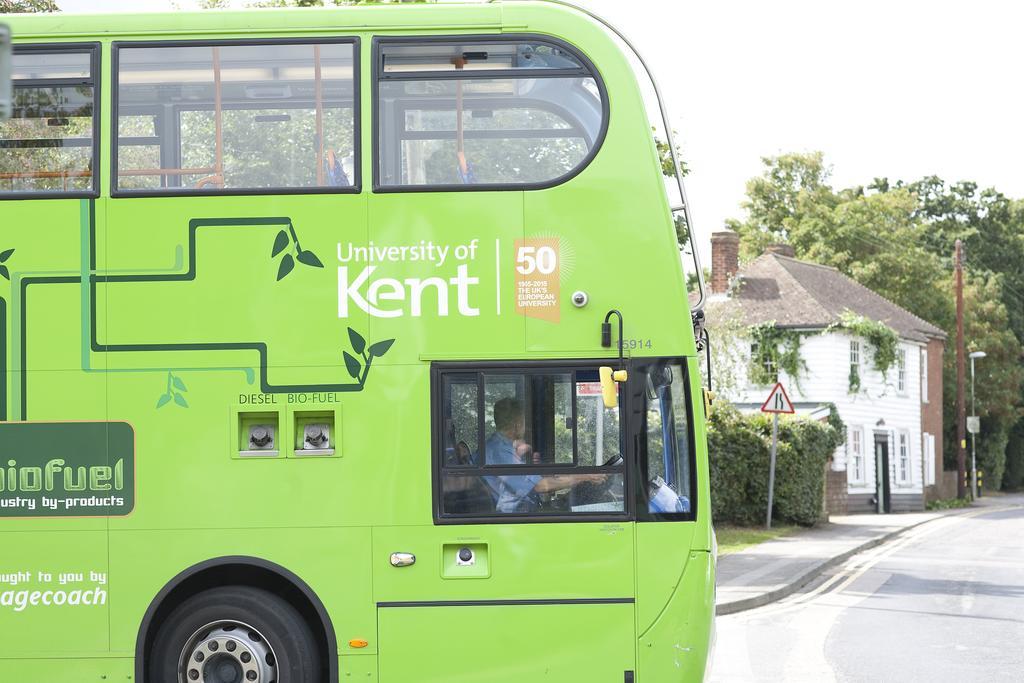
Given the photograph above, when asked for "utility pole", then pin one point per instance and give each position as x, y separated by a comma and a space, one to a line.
961, 408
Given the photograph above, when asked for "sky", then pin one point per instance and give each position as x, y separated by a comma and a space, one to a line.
896, 88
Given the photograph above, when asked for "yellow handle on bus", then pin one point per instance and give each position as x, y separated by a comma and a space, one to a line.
709, 399
609, 390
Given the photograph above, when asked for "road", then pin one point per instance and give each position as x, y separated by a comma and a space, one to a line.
944, 602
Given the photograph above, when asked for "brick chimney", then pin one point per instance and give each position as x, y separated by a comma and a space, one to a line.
725, 259
781, 250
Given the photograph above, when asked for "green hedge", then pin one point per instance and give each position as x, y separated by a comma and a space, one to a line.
739, 452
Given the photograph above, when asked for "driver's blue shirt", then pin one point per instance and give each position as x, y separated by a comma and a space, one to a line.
512, 492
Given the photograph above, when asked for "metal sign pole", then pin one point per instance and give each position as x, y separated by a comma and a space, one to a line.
771, 468
777, 402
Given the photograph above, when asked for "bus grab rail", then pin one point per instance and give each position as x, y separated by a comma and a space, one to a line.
5, 72
697, 309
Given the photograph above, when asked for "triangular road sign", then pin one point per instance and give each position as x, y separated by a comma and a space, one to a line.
778, 401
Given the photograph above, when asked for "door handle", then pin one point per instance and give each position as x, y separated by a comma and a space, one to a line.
402, 559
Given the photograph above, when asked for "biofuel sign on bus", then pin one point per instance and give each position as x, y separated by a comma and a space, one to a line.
66, 469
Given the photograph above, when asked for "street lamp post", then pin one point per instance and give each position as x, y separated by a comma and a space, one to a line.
974, 450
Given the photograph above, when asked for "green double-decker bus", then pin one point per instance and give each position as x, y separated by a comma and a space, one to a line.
344, 345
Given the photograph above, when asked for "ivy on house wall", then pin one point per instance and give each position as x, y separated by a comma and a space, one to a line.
774, 349
882, 340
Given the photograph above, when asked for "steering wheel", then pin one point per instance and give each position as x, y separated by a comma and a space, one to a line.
589, 493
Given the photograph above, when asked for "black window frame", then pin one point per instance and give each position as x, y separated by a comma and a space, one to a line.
637, 401
95, 52
378, 74
355, 188
438, 370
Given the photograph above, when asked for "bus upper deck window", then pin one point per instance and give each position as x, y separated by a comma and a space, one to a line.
464, 115
230, 116
48, 145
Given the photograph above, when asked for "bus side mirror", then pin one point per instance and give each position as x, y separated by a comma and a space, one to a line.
609, 389
5, 72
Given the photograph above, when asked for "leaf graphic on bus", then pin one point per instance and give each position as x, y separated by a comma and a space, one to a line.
352, 364
310, 259
6, 273
174, 386
287, 263
358, 343
280, 243
380, 348
4, 255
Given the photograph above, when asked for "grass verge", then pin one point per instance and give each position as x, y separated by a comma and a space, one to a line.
949, 503
732, 539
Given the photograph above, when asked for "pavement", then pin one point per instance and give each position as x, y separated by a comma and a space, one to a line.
778, 568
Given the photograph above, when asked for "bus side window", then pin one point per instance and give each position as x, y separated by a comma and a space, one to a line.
462, 493
514, 113
532, 442
48, 145
234, 116
668, 450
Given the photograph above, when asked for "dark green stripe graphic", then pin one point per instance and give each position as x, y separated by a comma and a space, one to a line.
260, 348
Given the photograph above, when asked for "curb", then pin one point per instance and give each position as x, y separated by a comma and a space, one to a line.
818, 569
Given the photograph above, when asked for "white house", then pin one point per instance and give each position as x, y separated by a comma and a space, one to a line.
892, 453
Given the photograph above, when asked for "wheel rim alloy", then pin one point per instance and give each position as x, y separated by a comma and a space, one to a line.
227, 652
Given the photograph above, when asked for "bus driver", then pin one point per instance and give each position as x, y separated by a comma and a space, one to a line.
520, 492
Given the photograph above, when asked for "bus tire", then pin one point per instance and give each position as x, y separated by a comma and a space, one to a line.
234, 634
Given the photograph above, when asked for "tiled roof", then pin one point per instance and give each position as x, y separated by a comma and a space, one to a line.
799, 294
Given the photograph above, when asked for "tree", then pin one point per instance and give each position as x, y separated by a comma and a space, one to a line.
875, 238
668, 166
27, 6
991, 226
730, 346
791, 187
999, 377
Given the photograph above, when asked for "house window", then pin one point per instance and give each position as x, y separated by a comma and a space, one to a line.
903, 463
856, 455
763, 365
901, 371
854, 365
928, 441
924, 375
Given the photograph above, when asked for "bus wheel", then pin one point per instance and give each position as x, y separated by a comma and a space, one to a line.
235, 634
